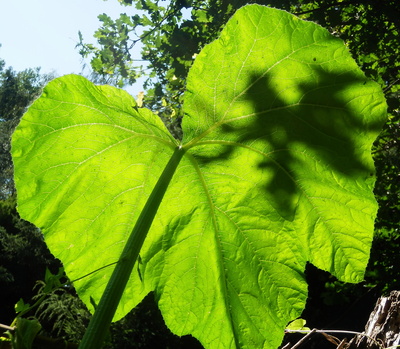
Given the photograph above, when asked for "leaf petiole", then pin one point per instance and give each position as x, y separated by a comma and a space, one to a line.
101, 320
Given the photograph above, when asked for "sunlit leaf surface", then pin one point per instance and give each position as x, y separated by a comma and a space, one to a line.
278, 128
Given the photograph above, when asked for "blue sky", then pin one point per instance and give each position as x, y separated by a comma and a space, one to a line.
43, 33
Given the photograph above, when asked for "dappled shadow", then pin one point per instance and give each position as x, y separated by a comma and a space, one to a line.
295, 121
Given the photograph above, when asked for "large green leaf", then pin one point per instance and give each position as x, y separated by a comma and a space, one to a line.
277, 171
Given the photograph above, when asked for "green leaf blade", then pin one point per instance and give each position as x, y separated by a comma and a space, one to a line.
277, 172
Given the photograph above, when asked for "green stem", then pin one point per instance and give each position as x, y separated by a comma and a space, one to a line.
104, 313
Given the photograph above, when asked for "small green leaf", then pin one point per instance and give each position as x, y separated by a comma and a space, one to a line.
146, 21
202, 16
25, 333
297, 325
21, 306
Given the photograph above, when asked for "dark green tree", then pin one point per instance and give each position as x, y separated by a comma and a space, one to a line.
24, 258
17, 91
23, 253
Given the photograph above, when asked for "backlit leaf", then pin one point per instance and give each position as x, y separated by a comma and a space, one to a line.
278, 128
